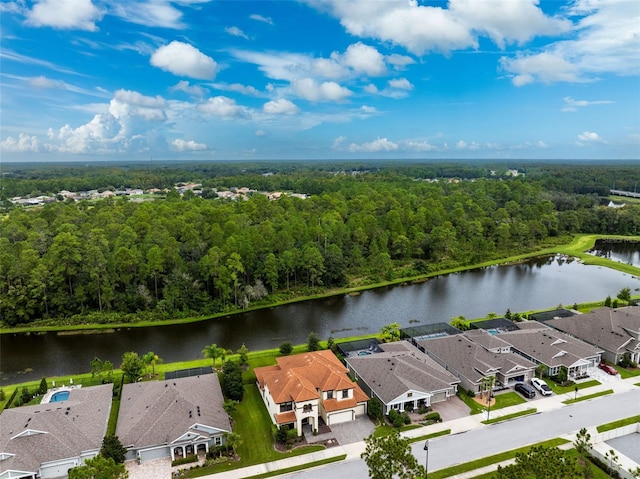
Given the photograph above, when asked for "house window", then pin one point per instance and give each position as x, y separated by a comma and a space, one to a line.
345, 393
307, 408
329, 394
218, 441
286, 406
409, 394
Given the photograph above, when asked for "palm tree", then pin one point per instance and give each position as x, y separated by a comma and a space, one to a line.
213, 351
152, 359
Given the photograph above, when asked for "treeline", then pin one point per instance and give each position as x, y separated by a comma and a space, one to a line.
116, 260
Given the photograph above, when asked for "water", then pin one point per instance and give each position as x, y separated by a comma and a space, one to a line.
627, 253
537, 284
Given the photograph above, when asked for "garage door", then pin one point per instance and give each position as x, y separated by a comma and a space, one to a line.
338, 417
438, 397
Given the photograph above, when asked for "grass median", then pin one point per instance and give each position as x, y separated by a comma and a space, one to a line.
589, 396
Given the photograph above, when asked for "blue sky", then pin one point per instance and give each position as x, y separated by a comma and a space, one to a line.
332, 79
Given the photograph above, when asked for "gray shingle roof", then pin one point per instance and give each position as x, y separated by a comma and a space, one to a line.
614, 330
400, 368
471, 359
159, 412
549, 346
70, 427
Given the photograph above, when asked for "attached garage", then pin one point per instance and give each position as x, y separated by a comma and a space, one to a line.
340, 417
439, 397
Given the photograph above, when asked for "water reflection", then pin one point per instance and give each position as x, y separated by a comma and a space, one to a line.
541, 283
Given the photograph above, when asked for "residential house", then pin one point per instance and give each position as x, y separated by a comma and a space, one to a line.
477, 355
402, 377
304, 389
615, 331
46, 440
553, 348
177, 417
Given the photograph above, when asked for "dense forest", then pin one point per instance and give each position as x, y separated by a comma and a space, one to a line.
118, 260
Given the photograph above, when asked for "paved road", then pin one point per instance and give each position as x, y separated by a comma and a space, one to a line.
460, 448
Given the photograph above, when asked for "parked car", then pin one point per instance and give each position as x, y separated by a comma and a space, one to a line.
541, 386
608, 369
526, 390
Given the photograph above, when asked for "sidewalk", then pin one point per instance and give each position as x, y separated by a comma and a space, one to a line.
353, 451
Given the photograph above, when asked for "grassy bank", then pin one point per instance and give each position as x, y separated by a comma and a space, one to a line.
576, 248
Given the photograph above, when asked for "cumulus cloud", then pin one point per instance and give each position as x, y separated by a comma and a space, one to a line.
260, 133
64, 14
236, 32
423, 28
185, 87
401, 84
364, 58
24, 143
282, 106
311, 90
337, 143
378, 145
419, 145
606, 41
183, 59
222, 106
572, 105
181, 145
238, 88
589, 138
260, 18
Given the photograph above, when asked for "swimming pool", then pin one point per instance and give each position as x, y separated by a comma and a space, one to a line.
59, 396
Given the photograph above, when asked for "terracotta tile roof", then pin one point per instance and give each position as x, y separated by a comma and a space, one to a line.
299, 377
286, 417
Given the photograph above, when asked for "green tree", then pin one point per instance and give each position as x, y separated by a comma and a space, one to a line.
232, 381
113, 448
243, 352
286, 348
313, 342
151, 359
460, 323
390, 456
232, 440
43, 386
374, 409
541, 463
271, 271
99, 468
390, 332
132, 366
213, 352
625, 295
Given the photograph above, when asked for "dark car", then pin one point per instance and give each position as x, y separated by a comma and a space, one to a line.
526, 390
608, 369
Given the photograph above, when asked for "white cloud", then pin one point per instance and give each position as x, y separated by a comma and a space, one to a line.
281, 106
364, 58
153, 13
607, 40
236, 32
182, 145
572, 105
260, 18
371, 88
419, 145
381, 144
401, 84
368, 109
461, 145
399, 62
311, 90
239, 88
422, 28
589, 138
222, 106
24, 143
128, 104
182, 59
260, 133
337, 143
64, 14
185, 87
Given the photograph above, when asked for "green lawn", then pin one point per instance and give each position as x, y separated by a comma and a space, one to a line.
568, 389
627, 372
501, 400
510, 416
616, 424
590, 396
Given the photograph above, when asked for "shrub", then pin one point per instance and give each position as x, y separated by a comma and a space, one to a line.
286, 348
397, 419
433, 416
185, 460
471, 393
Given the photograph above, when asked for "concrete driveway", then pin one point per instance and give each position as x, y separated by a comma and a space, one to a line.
452, 408
345, 433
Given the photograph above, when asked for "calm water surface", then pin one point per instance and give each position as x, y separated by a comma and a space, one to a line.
538, 284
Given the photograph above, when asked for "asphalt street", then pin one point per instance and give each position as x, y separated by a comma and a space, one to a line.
454, 449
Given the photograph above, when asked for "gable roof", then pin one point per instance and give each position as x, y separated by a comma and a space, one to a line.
549, 346
401, 368
48, 432
471, 359
160, 412
615, 330
299, 377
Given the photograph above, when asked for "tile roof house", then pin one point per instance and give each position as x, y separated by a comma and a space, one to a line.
476, 355
46, 440
176, 417
402, 377
553, 348
304, 388
615, 331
